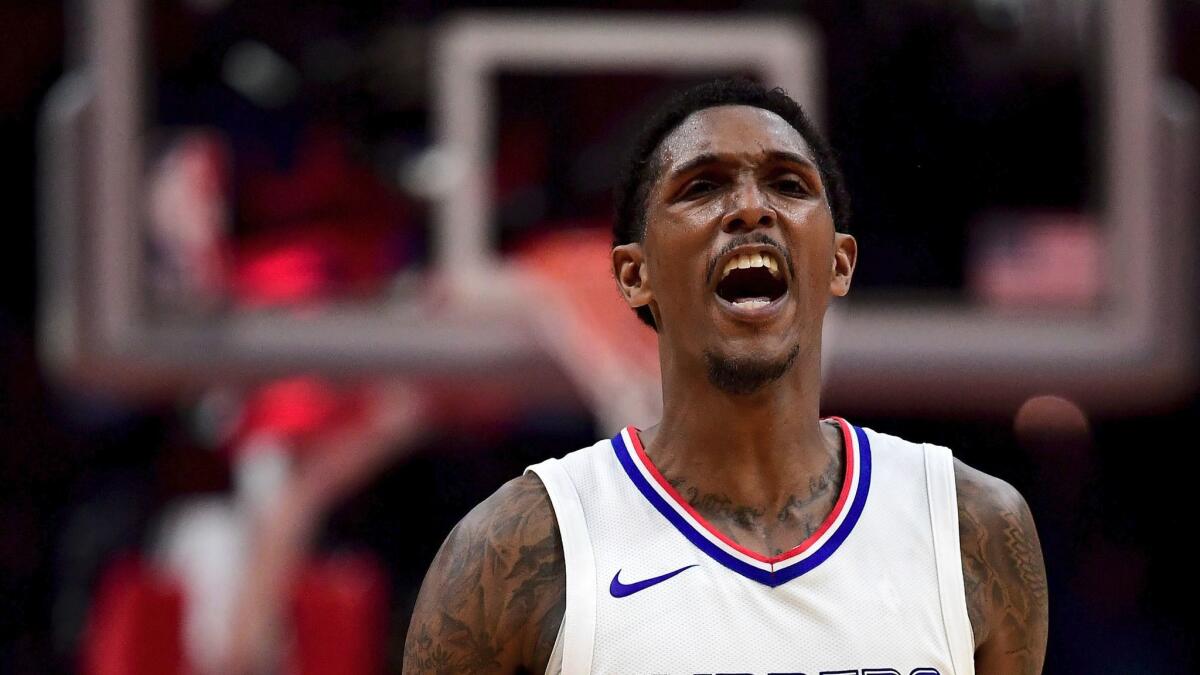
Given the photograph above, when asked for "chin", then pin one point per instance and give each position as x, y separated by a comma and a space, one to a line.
748, 372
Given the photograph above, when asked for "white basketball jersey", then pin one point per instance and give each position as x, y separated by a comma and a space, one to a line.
652, 588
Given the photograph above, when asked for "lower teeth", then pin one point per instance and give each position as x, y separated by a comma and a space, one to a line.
751, 304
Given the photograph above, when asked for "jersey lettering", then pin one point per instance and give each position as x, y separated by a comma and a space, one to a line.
855, 671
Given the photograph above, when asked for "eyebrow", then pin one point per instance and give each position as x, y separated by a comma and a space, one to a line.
707, 158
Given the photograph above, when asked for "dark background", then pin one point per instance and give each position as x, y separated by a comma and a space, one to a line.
941, 131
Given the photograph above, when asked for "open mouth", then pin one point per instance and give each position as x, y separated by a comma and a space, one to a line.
751, 280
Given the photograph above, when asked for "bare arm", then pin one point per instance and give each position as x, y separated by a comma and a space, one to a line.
1004, 575
494, 596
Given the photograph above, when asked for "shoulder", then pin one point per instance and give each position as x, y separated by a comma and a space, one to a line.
1004, 573
520, 510
985, 493
494, 596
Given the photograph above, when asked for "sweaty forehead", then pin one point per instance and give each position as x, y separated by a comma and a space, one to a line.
736, 131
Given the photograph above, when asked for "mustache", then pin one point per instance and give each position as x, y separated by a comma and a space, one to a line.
744, 240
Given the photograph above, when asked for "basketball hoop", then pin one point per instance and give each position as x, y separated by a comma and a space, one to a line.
610, 356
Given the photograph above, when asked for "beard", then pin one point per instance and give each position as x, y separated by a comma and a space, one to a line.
741, 375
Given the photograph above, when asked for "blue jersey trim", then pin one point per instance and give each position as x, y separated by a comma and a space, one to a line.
718, 554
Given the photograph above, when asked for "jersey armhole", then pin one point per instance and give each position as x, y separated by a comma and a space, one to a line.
577, 632
943, 510
555, 665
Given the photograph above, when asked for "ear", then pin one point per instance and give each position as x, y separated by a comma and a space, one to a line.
845, 254
633, 276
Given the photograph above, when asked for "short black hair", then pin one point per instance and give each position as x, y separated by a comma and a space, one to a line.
642, 166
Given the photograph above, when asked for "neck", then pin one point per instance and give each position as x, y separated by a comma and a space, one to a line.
759, 449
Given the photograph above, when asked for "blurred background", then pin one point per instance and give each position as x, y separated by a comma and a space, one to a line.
294, 285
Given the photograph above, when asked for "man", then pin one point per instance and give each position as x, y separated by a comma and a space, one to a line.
743, 533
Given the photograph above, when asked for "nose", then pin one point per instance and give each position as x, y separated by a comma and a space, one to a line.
748, 209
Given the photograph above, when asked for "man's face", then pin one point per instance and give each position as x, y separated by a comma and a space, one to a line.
740, 256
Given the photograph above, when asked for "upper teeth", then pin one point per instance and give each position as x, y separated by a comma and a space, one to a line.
748, 260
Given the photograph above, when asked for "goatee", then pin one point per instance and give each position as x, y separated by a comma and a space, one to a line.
741, 375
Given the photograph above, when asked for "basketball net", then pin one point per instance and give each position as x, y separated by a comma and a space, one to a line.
598, 341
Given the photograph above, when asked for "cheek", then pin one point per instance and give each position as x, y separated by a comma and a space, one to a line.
676, 255
817, 266
700, 214
675, 283
812, 233
820, 264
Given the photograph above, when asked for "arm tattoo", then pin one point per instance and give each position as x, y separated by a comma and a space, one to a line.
1025, 606
978, 577
1004, 575
495, 594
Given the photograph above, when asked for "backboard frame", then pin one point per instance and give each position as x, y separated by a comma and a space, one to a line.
1136, 351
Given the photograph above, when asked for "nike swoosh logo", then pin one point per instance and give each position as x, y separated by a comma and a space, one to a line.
620, 590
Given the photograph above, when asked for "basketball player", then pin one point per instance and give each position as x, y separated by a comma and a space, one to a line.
743, 533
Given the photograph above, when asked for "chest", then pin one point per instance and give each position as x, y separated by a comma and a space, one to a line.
672, 609
870, 591
674, 596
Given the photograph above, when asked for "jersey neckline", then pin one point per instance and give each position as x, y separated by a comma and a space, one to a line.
769, 570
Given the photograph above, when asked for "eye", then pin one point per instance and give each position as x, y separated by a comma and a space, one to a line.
790, 185
698, 188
